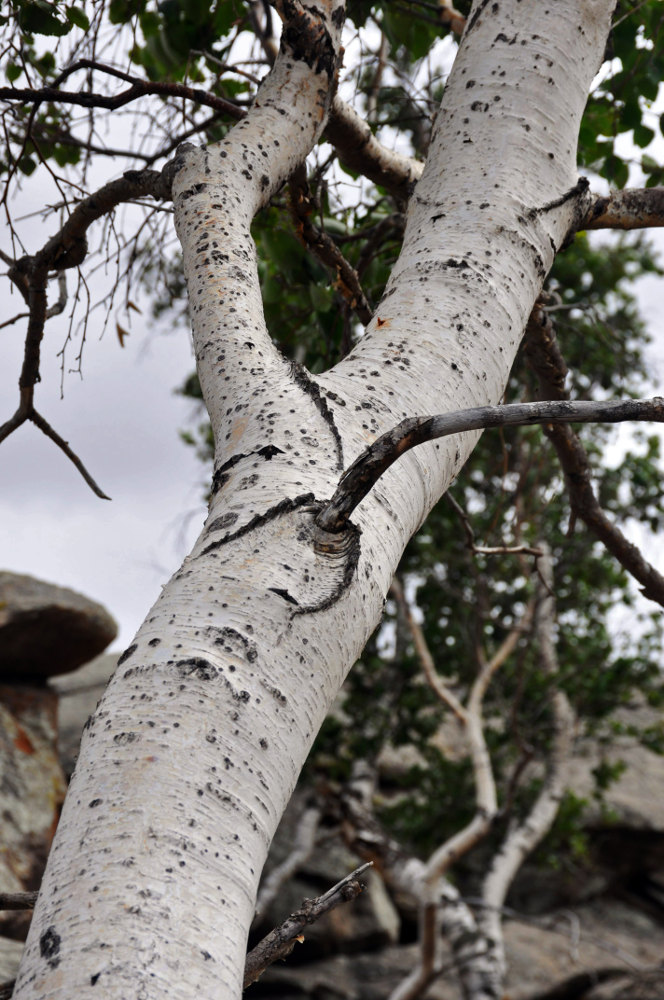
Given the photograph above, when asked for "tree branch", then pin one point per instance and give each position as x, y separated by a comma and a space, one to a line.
66, 249
305, 841
365, 471
547, 362
324, 247
361, 151
527, 834
636, 208
139, 88
18, 900
281, 941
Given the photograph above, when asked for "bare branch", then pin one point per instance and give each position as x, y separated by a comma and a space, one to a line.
636, 208
487, 550
66, 249
434, 680
18, 900
324, 247
547, 362
63, 445
281, 941
359, 149
524, 837
139, 88
385, 450
305, 841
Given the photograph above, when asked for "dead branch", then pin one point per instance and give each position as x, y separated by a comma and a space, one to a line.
365, 471
546, 360
18, 900
67, 249
138, 89
577, 986
305, 841
281, 941
486, 550
636, 208
323, 246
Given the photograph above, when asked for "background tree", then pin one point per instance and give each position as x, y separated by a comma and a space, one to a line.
225, 672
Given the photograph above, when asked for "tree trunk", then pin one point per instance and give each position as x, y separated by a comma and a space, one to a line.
193, 752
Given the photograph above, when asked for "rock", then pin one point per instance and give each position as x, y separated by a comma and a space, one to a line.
31, 792
10, 956
79, 693
47, 630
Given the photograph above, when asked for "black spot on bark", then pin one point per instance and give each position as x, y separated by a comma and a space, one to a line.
225, 521
230, 635
129, 651
197, 667
269, 451
49, 946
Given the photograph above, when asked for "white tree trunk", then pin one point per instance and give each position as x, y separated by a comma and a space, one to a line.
192, 754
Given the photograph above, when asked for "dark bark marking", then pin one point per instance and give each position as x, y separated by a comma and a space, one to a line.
285, 506
230, 635
196, 666
350, 549
284, 593
303, 379
129, 651
307, 39
579, 188
472, 21
221, 475
49, 946
275, 692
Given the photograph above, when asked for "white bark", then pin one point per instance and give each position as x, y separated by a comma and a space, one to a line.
194, 750
524, 837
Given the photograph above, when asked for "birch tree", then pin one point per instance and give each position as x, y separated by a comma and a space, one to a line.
190, 759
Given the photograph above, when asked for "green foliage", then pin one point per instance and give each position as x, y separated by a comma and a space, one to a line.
622, 102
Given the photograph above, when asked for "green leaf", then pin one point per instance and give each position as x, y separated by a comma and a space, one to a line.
78, 17
12, 72
27, 165
643, 136
39, 17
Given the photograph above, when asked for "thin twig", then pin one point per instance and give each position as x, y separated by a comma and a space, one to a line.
18, 900
305, 841
281, 941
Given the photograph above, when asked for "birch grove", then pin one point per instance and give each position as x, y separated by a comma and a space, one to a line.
192, 755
